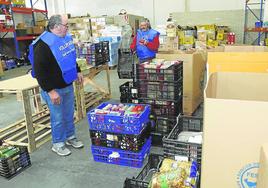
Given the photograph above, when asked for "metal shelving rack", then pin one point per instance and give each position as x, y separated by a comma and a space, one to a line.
260, 30
30, 11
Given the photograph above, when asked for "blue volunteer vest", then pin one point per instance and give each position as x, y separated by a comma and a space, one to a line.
144, 52
64, 52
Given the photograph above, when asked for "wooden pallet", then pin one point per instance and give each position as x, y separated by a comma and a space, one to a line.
17, 134
86, 100
93, 99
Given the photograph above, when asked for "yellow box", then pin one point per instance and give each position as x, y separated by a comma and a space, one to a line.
188, 40
238, 62
220, 36
212, 43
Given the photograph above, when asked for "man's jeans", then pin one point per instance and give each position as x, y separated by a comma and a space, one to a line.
61, 116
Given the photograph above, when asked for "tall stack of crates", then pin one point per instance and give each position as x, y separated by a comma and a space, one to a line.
160, 85
114, 43
120, 133
95, 53
129, 93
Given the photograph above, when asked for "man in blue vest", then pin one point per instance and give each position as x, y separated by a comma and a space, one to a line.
146, 42
53, 58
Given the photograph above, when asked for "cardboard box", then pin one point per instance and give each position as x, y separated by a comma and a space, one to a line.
41, 23
193, 76
21, 26
202, 36
29, 30
212, 43
262, 181
235, 126
168, 43
237, 62
38, 29
188, 40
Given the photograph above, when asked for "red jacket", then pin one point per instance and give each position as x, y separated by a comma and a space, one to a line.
154, 45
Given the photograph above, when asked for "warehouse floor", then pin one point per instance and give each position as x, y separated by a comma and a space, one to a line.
78, 169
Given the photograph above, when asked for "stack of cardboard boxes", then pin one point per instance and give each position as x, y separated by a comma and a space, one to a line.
23, 30
211, 36
18, 3
99, 23
169, 41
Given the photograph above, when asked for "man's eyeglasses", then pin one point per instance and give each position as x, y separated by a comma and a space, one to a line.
65, 25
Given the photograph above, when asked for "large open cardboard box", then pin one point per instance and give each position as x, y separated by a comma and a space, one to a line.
238, 59
235, 127
239, 48
194, 64
263, 170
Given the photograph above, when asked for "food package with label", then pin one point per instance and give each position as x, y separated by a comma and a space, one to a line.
175, 174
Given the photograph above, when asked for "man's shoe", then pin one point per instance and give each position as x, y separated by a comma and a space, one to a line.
62, 151
75, 143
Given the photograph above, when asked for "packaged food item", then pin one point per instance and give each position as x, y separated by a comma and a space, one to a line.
175, 174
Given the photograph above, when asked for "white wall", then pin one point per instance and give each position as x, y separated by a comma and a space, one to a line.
156, 10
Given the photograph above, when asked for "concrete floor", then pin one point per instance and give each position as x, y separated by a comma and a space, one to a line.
78, 169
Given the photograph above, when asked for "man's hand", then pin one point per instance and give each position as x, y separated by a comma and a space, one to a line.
145, 42
80, 78
54, 96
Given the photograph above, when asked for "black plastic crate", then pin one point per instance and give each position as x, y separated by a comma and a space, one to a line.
171, 74
160, 90
14, 164
168, 108
121, 141
125, 65
128, 92
173, 147
144, 177
161, 126
151, 167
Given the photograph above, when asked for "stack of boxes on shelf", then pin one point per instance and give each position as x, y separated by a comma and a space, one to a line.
18, 3
159, 84
99, 23
120, 133
95, 53
187, 37
168, 39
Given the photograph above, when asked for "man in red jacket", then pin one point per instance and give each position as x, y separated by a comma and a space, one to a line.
146, 42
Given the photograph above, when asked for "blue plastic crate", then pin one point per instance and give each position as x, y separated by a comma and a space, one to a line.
121, 157
10, 64
118, 124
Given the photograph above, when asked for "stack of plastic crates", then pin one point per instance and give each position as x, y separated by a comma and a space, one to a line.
125, 64
129, 93
120, 133
174, 148
161, 86
95, 53
13, 160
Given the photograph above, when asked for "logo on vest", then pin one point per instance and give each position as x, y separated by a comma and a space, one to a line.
247, 176
66, 45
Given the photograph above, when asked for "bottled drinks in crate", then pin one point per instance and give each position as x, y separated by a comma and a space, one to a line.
13, 160
120, 133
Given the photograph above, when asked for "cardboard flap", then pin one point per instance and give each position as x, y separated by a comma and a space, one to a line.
241, 86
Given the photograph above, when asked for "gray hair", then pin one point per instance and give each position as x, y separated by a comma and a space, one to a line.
54, 20
146, 20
